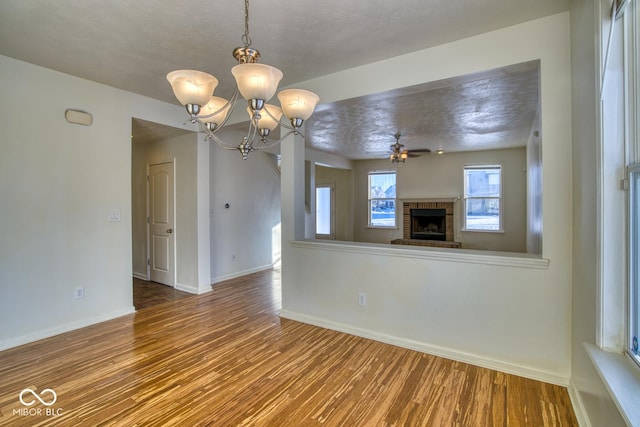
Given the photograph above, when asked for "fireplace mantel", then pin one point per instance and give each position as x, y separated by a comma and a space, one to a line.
432, 199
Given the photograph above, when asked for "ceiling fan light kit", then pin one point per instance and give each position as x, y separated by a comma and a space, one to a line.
257, 84
398, 152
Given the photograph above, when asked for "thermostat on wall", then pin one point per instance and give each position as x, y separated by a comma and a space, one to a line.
78, 117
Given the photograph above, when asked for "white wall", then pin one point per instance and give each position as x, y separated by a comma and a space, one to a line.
589, 394
245, 236
441, 176
60, 181
515, 317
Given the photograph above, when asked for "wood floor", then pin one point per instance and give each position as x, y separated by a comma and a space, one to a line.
147, 294
226, 359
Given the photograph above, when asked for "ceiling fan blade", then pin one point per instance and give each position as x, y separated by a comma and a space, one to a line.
418, 152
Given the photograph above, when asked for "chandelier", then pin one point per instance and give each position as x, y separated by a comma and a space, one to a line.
256, 83
398, 152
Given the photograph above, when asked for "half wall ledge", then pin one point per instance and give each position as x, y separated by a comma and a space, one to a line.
470, 256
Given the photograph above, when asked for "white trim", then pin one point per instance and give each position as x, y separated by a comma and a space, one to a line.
67, 327
500, 198
477, 230
473, 359
193, 289
622, 380
578, 405
229, 276
140, 276
470, 256
332, 210
370, 199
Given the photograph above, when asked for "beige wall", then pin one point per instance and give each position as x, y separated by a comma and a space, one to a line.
441, 176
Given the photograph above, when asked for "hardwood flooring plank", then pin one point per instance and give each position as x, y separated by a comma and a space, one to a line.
227, 359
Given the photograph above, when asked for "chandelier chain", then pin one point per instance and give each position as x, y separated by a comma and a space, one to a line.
245, 37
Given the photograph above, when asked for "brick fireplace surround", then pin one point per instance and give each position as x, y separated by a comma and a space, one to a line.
426, 204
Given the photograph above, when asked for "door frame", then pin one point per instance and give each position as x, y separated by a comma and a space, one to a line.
332, 201
171, 161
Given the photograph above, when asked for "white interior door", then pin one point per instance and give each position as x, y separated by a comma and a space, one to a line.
161, 223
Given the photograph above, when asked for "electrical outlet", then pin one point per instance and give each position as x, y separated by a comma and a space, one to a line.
362, 298
79, 292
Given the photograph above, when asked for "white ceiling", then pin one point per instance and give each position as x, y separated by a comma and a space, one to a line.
132, 45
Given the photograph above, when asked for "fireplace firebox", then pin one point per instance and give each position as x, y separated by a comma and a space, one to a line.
429, 224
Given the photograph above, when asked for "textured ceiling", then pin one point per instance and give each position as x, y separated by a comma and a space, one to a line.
133, 44
491, 110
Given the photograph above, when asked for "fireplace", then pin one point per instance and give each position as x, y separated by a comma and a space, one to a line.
428, 224
424, 210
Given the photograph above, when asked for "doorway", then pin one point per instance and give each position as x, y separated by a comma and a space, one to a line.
161, 160
325, 211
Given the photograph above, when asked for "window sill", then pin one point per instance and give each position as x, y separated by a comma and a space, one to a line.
470, 256
621, 376
471, 230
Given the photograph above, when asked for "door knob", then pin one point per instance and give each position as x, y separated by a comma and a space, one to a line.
170, 230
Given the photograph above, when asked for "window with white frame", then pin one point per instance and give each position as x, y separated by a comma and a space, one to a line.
632, 142
634, 260
483, 198
382, 199
324, 211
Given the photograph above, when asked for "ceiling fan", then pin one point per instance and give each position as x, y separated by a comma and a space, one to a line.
400, 154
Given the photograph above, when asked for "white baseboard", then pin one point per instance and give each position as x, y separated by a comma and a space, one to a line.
578, 405
67, 327
193, 289
140, 276
219, 279
473, 359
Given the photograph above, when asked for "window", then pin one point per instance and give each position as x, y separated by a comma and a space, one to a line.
482, 198
632, 143
324, 211
634, 260
382, 199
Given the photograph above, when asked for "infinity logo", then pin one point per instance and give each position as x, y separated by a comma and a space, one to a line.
34, 394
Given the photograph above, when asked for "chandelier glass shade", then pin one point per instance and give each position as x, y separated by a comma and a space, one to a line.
257, 81
191, 86
256, 84
215, 112
269, 119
